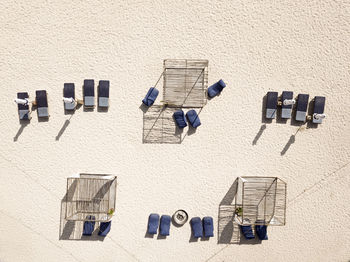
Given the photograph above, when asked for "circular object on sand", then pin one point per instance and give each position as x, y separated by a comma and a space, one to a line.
180, 217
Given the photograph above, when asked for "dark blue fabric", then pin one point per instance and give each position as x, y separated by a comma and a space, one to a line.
89, 226
193, 118
150, 96
208, 226
164, 227
105, 227
103, 88
216, 88
89, 87
303, 100
69, 90
247, 232
153, 222
41, 98
271, 101
180, 118
197, 227
319, 104
261, 231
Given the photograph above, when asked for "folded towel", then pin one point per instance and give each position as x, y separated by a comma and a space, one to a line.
153, 222
180, 119
247, 232
193, 118
261, 231
164, 225
89, 226
105, 227
197, 227
208, 226
150, 96
216, 88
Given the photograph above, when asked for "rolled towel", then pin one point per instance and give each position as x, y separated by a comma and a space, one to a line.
180, 118
216, 88
208, 226
164, 225
193, 118
150, 96
197, 227
105, 227
247, 232
153, 222
89, 226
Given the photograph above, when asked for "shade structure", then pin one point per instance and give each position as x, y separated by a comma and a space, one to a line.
91, 195
260, 201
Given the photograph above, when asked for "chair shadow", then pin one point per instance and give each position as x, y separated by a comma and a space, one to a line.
23, 124
64, 127
287, 146
258, 135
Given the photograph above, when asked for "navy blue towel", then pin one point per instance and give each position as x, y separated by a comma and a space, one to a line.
105, 227
261, 231
197, 227
180, 118
247, 232
153, 222
164, 227
193, 118
208, 226
89, 226
150, 96
216, 88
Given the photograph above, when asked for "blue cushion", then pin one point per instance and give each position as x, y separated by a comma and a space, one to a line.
164, 225
153, 222
208, 226
180, 119
89, 226
216, 88
247, 232
105, 227
150, 96
197, 227
193, 118
261, 231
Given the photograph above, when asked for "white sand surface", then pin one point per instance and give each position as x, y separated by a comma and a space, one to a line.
255, 46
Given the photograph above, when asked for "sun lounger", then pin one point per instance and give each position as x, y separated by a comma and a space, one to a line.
89, 226
89, 93
247, 232
105, 227
164, 227
208, 226
197, 227
153, 222
150, 96
180, 118
23, 109
287, 104
216, 88
41, 103
271, 105
261, 231
303, 100
69, 96
318, 115
103, 93
193, 118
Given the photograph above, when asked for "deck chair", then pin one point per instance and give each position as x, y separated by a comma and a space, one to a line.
69, 96
287, 104
89, 93
193, 118
89, 226
197, 227
153, 222
271, 105
150, 96
208, 226
261, 231
23, 109
216, 88
303, 100
164, 228
180, 119
318, 114
247, 232
103, 93
41, 103
105, 227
